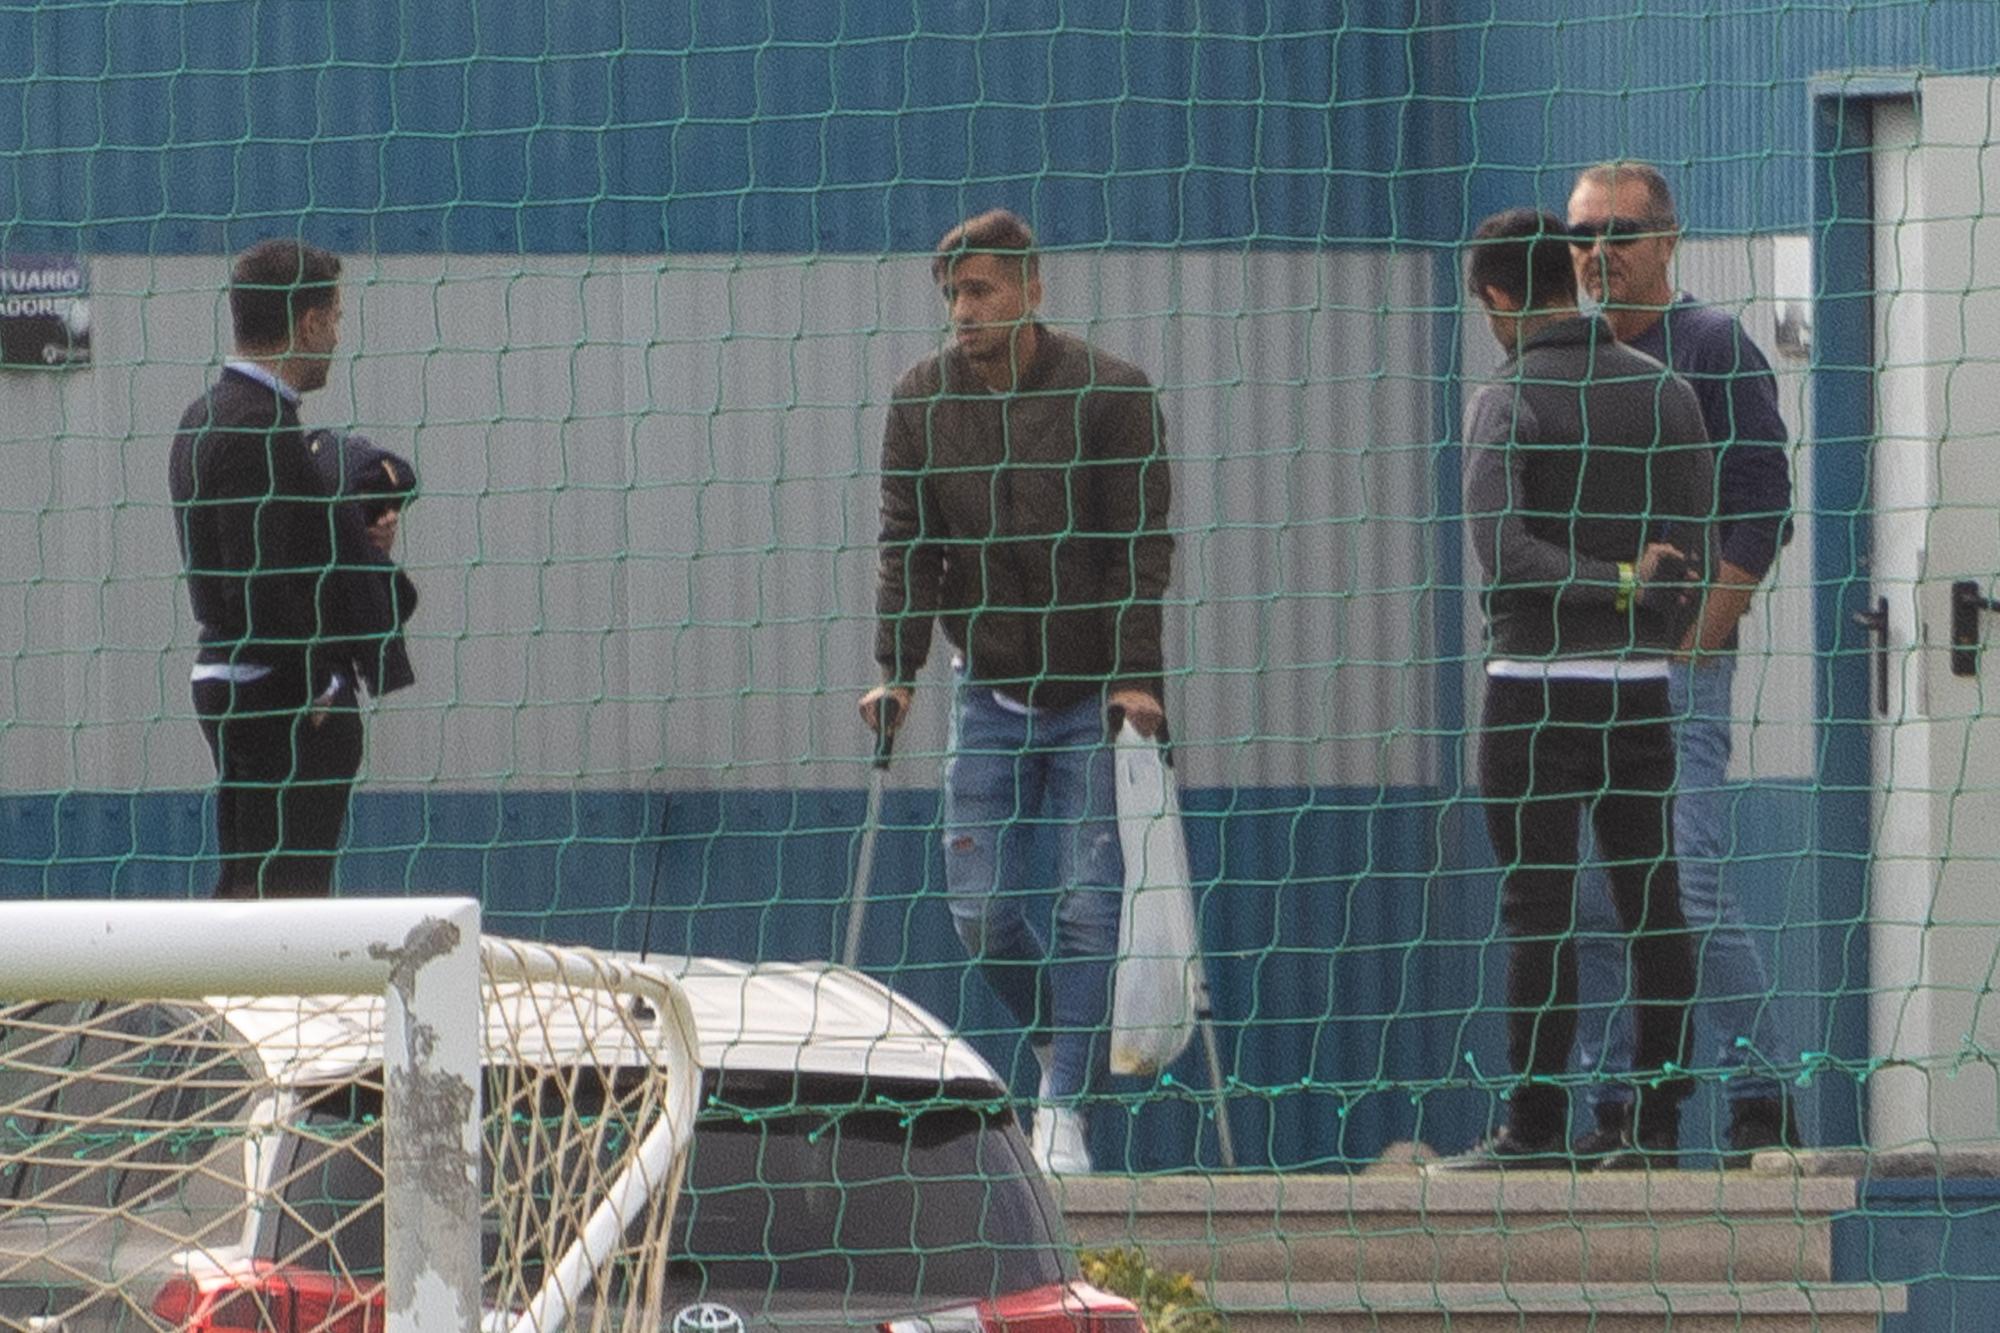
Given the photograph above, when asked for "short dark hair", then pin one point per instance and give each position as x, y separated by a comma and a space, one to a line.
1659, 197
996, 231
273, 283
1524, 252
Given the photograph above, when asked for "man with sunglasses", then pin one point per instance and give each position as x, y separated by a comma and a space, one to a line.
1625, 233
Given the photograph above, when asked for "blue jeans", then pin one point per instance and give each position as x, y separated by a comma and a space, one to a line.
1009, 774
1732, 980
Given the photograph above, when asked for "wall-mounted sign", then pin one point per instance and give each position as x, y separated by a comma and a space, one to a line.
44, 311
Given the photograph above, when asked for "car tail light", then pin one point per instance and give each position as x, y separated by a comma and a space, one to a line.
260, 1298
1069, 1307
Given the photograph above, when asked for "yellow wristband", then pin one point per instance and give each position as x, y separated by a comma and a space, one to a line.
1628, 583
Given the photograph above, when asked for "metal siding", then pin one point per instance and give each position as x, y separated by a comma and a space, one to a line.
868, 126
645, 538
1715, 93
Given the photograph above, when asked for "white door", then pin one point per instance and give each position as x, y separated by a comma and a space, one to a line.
1935, 882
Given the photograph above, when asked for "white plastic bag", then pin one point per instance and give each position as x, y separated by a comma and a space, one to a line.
1157, 994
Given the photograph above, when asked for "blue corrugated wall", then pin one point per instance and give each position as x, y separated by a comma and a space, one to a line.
1350, 932
870, 126
859, 127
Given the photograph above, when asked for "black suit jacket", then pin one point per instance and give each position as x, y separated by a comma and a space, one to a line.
278, 574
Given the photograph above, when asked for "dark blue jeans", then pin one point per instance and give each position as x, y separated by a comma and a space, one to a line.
1733, 981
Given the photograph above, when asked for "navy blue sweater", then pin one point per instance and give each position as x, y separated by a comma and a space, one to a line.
1738, 394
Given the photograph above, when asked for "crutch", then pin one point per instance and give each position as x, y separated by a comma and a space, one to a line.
1204, 1014
864, 867
1204, 1017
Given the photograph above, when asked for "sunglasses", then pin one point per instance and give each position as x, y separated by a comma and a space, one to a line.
1617, 231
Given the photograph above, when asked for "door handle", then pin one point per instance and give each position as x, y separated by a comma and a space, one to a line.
1876, 622
1967, 601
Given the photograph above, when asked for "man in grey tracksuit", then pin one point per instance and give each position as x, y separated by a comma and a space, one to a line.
1587, 496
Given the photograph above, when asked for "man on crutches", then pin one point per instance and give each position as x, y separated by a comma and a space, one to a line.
1025, 489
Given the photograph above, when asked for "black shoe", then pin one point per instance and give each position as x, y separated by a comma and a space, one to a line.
1648, 1152
1760, 1124
1652, 1134
1612, 1135
1503, 1148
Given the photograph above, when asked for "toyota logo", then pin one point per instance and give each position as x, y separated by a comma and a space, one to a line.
708, 1318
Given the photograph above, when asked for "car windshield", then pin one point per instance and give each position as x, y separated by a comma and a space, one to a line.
913, 1204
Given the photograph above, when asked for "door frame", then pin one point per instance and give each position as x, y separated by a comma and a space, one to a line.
1843, 384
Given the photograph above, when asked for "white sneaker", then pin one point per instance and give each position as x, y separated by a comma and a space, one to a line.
1059, 1144
1045, 1056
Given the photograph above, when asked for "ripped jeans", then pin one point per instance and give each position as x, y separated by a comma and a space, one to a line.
1012, 774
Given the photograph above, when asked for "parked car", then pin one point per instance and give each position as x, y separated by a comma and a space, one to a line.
854, 1165
857, 1164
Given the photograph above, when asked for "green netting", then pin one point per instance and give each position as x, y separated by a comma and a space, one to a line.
632, 286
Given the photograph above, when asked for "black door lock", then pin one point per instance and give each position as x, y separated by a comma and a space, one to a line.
1967, 601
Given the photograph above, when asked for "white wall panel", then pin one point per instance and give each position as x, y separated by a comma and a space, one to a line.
645, 542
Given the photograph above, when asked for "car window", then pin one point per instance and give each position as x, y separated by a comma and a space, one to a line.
37, 1042
132, 1111
862, 1202
329, 1185
115, 1105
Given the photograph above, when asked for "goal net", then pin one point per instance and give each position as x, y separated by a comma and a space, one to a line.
269, 1159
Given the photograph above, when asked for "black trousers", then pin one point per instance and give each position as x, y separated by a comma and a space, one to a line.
1552, 751
283, 774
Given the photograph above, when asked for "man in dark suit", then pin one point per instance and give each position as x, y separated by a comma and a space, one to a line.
297, 608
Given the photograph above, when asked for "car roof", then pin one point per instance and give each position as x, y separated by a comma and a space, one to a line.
328, 1038
807, 1018
818, 1018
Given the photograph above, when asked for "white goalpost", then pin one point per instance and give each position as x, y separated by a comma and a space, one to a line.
545, 1095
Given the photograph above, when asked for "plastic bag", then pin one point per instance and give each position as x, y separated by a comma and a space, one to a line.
1158, 991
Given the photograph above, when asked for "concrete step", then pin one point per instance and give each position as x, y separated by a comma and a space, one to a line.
1740, 1228
1553, 1307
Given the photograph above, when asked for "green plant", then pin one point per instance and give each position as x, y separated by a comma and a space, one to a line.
1168, 1302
